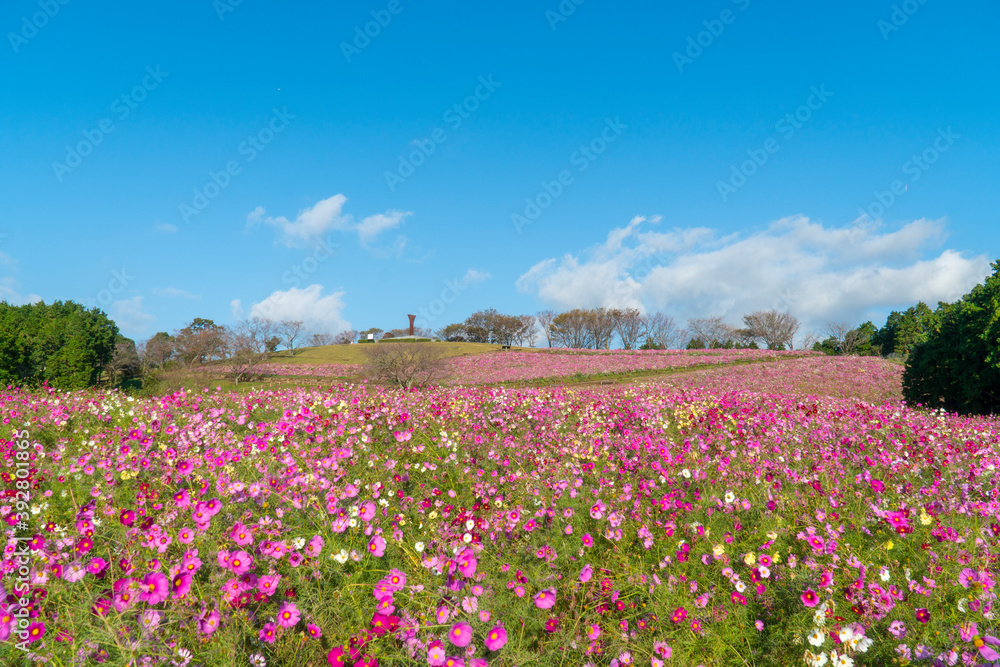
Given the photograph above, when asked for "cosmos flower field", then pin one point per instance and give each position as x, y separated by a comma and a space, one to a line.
715, 523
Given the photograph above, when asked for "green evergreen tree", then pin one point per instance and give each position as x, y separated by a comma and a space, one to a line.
958, 366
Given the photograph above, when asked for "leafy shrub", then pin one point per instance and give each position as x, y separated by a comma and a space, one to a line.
958, 367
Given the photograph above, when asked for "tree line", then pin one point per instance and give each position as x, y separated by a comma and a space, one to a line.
601, 328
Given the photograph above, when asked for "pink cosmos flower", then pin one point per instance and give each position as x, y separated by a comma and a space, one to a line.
435, 654
314, 630
155, 588
402, 436
467, 563
986, 646
209, 622
180, 585
35, 632
496, 638
240, 562
241, 534
288, 614
460, 634
923, 615
268, 633
315, 547
546, 598
809, 598
593, 631
586, 573
376, 546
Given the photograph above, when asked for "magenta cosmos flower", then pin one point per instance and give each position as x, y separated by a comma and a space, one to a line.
240, 562
460, 634
376, 547
155, 588
545, 599
496, 638
288, 614
809, 598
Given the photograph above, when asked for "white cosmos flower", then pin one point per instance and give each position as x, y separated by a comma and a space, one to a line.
686, 473
470, 524
419, 546
819, 618
740, 586
467, 538
730, 496
817, 637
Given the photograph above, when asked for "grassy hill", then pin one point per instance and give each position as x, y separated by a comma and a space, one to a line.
352, 354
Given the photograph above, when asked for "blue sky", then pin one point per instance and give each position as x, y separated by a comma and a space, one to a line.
166, 161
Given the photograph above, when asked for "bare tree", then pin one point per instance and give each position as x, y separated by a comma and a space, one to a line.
572, 329
661, 331
343, 338
775, 329
602, 327
527, 332
630, 326
289, 331
809, 340
246, 344
506, 329
711, 330
404, 364
124, 363
200, 341
321, 339
848, 339
156, 351
545, 318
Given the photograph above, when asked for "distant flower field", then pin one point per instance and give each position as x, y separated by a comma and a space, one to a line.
728, 524
513, 366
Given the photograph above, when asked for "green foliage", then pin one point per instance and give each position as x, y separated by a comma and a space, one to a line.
904, 330
957, 367
62, 344
695, 344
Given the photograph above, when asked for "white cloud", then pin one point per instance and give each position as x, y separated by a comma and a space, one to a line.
237, 307
313, 223
474, 277
173, 292
166, 227
319, 313
819, 273
374, 225
131, 319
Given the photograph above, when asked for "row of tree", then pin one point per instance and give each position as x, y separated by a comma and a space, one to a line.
901, 333
600, 328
